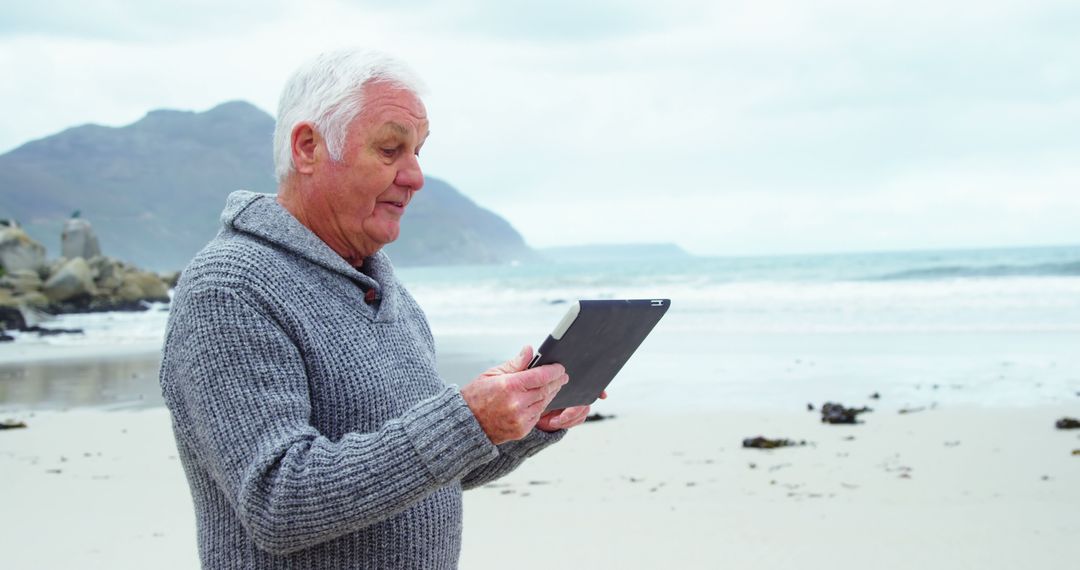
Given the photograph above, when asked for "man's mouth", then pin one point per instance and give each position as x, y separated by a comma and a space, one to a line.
396, 204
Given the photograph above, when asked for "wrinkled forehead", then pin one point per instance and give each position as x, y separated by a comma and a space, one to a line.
392, 128
382, 98
391, 116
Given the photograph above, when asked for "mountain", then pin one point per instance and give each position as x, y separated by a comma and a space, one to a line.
443, 227
614, 252
154, 190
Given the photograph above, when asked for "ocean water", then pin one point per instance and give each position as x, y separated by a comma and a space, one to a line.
1018, 290
922, 329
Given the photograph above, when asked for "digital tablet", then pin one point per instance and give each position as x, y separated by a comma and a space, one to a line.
593, 342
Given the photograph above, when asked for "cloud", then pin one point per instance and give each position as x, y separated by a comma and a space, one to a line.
135, 21
966, 205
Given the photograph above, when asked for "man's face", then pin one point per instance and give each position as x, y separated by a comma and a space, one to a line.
358, 201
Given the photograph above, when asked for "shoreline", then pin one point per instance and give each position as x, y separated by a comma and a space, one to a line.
82, 380
93, 377
40, 353
42, 377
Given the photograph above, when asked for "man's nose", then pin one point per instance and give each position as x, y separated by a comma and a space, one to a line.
410, 176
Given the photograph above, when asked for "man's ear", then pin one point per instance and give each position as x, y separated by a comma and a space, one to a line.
305, 142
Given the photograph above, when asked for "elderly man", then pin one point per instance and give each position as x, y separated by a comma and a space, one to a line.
312, 424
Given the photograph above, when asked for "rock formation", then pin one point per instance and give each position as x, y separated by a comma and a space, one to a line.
72, 284
72, 281
19, 251
79, 240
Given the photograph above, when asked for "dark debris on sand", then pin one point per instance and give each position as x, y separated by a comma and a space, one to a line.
762, 442
1068, 423
834, 413
11, 424
598, 417
42, 331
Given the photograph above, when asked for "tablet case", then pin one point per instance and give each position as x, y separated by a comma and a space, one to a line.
593, 342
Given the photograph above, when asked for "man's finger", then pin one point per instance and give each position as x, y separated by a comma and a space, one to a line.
546, 393
568, 418
539, 377
552, 389
571, 414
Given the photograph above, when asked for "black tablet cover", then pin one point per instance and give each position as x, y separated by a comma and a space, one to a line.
594, 341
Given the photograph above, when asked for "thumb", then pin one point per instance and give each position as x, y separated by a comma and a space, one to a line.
521, 362
515, 364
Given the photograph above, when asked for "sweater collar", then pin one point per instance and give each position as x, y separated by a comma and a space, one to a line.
262, 216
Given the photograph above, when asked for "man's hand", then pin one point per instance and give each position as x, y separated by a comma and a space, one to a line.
565, 418
507, 400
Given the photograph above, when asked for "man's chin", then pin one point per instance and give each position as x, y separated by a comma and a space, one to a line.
388, 236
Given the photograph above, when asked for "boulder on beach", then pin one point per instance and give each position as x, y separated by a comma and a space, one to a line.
79, 240
11, 318
72, 281
79, 284
19, 251
33, 299
21, 281
1068, 423
170, 278
149, 287
113, 286
121, 283
107, 272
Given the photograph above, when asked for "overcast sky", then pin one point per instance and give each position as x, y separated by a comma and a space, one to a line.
767, 126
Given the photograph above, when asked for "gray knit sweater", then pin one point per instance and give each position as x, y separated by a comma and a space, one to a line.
313, 428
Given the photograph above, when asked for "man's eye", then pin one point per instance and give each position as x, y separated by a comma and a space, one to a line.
388, 152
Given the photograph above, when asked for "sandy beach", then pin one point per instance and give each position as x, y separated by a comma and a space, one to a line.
941, 488
976, 477
961, 488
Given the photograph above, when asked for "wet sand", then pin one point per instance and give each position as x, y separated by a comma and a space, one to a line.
117, 380
127, 379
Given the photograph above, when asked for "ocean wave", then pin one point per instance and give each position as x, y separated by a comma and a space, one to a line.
1070, 269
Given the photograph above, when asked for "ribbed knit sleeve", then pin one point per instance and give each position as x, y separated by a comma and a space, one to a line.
511, 455
240, 394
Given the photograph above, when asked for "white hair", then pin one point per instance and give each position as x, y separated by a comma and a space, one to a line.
328, 92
